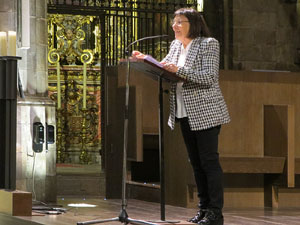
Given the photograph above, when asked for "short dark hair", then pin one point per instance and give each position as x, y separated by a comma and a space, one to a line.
198, 26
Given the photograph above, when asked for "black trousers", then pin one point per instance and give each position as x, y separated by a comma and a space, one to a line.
202, 147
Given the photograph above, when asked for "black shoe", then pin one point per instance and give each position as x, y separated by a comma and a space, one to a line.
212, 218
199, 216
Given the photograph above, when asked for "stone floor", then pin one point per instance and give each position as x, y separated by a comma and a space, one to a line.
84, 183
136, 209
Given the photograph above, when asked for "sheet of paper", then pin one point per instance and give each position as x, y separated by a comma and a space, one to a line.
154, 61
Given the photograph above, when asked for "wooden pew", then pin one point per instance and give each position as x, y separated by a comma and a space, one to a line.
256, 148
256, 165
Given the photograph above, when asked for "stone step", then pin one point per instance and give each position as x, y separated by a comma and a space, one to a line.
81, 184
143, 191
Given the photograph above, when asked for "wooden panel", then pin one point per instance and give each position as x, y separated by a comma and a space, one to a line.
245, 93
279, 136
275, 130
291, 147
135, 135
288, 197
149, 93
15, 203
297, 166
243, 136
113, 145
252, 164
241, 191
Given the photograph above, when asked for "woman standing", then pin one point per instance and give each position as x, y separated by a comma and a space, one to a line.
199, 106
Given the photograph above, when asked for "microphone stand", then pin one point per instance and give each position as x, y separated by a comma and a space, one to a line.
20, 87
123, 216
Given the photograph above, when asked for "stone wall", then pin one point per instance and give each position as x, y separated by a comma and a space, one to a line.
35, 172
33, 66
256, 34
8, 10
265, 35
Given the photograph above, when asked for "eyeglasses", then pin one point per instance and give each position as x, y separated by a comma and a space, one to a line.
178, 22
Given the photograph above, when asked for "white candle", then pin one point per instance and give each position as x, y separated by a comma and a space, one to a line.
58, 86
3, 44
12, 44
84, 86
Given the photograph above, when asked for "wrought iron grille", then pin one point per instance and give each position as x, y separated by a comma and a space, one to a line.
124, 21
120, 23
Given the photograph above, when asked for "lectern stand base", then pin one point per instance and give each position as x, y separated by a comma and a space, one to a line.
174, 222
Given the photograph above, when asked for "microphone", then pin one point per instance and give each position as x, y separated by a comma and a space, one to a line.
144, 38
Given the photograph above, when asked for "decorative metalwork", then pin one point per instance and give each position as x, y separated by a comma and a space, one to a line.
54, 58
69, 35
107, 30
72, 117
122, 22
146, 4
86, 58
78, 84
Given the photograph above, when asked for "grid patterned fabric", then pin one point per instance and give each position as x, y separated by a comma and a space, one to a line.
202, 96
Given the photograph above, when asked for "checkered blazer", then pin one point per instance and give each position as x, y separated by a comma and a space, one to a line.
204, 102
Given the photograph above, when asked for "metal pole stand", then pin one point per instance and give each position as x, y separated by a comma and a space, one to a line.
123, 217
8, 122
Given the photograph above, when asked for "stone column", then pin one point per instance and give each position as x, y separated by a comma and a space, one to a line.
36, 172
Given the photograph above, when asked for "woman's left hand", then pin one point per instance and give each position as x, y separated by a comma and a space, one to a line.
138, 55
170, 67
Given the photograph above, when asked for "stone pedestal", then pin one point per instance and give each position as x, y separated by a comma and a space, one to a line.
15, 203
36, 172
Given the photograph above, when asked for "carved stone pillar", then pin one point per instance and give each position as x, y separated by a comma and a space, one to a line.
35, 172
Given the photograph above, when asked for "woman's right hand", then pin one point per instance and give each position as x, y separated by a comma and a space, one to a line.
137, 54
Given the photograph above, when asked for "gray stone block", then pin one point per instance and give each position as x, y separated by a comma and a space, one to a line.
33, 32
8, 6
265, 36
9, 23
41, 9
33, 7
41, 55
41, 82
41, 32
243, 35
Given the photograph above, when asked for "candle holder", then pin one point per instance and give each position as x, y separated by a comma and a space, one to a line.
62, 154
8, 123
84, 157
54, 58
86, 58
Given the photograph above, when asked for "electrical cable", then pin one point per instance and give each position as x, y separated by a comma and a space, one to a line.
33, 175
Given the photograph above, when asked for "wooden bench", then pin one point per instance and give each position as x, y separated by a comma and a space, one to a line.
256, 165
279, 149
297, 165
259, 140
